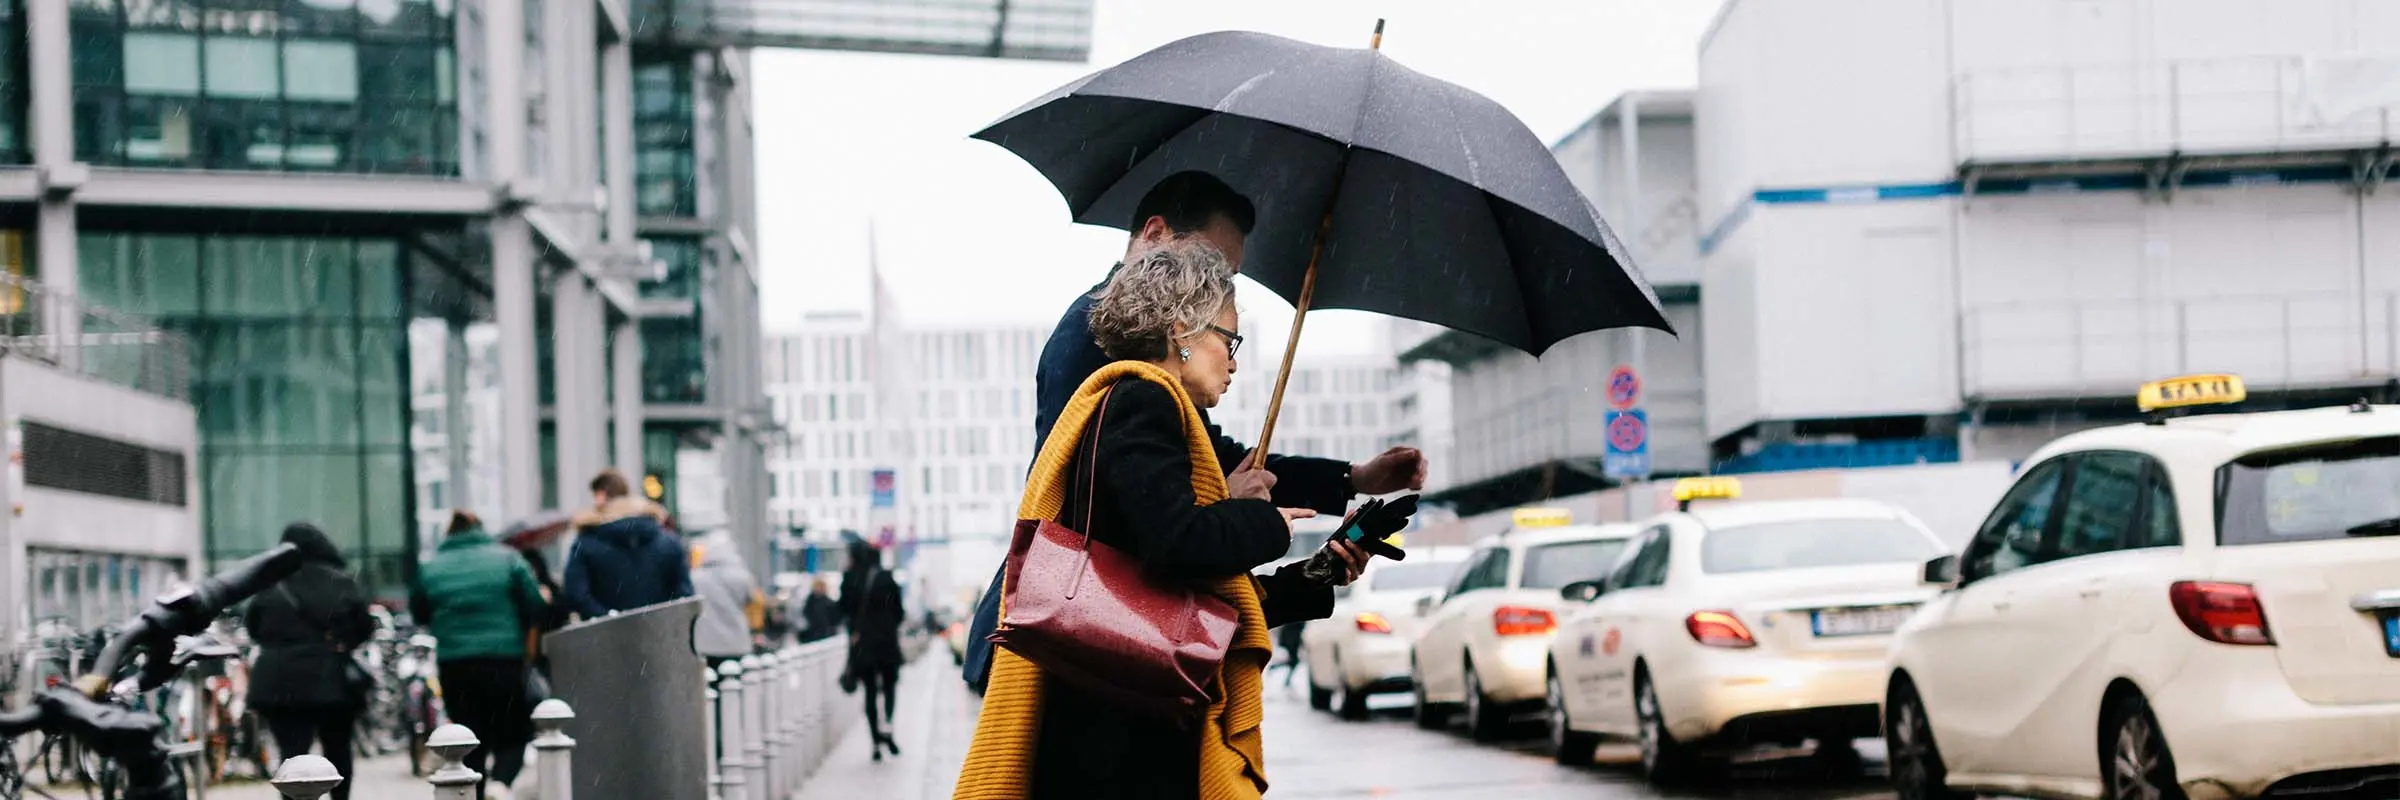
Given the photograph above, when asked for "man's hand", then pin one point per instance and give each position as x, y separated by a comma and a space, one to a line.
1250, 481
1397, 469
1290, 514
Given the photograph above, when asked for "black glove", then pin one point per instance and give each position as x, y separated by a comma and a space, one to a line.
1370, 527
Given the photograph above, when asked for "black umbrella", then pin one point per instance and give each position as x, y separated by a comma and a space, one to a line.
1378, 188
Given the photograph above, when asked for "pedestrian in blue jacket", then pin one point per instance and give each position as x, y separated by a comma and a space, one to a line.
623, 557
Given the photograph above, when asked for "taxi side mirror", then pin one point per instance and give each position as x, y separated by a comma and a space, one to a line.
1942, 571
1425, 606
1583, 591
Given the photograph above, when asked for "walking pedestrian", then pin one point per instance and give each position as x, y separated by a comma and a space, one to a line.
1185, 208
481, 600
820, 618
1132, 466
1288, 638
725, 588
305, 682
871, 601
623, 557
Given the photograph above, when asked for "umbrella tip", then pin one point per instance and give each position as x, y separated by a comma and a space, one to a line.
1377, 44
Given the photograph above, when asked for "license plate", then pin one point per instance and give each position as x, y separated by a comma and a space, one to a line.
2391, 635
1833, 622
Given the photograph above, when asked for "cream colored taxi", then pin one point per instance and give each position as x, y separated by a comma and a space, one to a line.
2202, 606
1486, 639
1362, 648
1737, 624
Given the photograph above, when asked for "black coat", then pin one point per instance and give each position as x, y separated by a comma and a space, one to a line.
1144, 506
875, 615
306, 631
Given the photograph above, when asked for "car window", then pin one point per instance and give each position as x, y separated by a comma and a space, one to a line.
1552, 566
2161, 525
1647, 565
1406, 577
1490, 572
1466, 572
1811, 543
2104, 495
2326, 491
2012, 537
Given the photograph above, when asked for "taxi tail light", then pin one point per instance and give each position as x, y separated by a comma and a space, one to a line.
1522, 621
1718, 629
2226, 613
1371, 622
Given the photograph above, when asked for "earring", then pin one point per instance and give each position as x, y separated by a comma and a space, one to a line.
1185, 353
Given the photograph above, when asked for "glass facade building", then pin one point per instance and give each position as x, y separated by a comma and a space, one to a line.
303, 85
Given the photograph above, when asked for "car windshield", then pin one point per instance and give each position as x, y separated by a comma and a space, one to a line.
2326, 491
1811, 543
1406, 577
1552, 566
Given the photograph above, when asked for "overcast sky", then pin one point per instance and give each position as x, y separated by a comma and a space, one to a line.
968, 234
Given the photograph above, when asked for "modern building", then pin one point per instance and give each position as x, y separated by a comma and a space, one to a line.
1334, 406
1530, 428
1968, 245
301, 188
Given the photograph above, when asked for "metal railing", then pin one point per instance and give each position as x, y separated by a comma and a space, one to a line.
2107, 347
56, 328
1056, 30
2130, 110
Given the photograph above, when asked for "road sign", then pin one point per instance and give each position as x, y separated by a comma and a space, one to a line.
1624, 387
885, 483
1628, 434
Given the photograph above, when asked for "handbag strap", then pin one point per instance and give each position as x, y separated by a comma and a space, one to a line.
1091, 465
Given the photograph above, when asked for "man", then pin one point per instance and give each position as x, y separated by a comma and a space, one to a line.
623, 557
1186, 206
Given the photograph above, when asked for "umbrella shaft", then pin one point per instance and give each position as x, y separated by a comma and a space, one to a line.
1291, 344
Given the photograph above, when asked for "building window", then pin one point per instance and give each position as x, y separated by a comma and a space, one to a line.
682, 256
315, 86
674, 360
663, 171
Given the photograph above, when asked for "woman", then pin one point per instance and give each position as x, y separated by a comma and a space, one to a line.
306, 628
479, 599
723, 583
1158, 492
871, 601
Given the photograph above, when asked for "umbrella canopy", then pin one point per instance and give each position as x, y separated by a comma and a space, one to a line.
1431, 202
537, 530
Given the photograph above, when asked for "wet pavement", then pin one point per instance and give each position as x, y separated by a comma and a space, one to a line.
1313, 754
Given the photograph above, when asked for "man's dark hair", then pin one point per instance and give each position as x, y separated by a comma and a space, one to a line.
1188, 200
612, 483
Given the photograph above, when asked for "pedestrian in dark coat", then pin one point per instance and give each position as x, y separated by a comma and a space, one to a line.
623, 557
871, 602
306, 628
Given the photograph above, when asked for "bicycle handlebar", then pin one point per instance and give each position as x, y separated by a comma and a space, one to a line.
184, 612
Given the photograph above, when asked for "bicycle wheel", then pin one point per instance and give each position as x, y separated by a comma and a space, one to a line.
12, 780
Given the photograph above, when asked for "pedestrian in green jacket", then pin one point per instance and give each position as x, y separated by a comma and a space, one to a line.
480, 599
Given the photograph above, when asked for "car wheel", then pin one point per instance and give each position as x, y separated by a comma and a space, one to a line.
1319, 699
1486, 720
1428, 716
1353, 703
1664, 760
1569, 746
1917, 770
2138, 764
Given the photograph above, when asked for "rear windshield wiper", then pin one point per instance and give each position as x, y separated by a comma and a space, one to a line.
2381, 527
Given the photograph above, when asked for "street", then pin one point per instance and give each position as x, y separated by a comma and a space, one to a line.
1316, 755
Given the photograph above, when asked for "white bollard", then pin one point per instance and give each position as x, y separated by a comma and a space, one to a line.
453, 781
732, 770
306, 777
708, 734
797, 770
770, 755
554, 750
754, 726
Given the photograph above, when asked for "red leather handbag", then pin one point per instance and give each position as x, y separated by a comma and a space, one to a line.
1087, 614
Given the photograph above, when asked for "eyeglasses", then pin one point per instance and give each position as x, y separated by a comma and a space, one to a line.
1233, 341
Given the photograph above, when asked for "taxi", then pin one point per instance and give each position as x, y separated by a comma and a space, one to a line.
1362, 648
1736, 624
1487, 635
2196, 605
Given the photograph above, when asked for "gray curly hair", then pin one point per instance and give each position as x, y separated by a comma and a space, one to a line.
1183, 284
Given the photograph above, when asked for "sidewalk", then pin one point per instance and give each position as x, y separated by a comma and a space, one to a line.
384, 778
935, 721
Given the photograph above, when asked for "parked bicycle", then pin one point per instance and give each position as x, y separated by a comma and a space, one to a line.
99, 710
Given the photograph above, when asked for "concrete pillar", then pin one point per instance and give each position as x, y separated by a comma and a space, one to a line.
513, 267
455, 411
578, 410
627, 395
52, 123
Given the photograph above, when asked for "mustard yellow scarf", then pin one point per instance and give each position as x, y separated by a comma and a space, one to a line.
1232, 765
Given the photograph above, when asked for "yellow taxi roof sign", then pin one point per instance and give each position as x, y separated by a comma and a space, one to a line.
2192, 390
1690, 489
1542, 518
